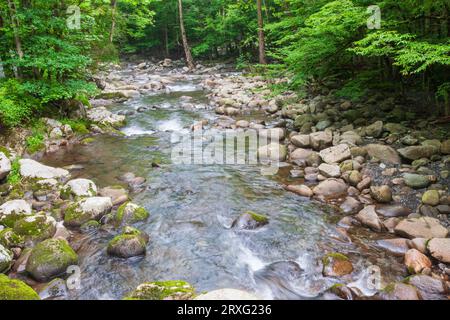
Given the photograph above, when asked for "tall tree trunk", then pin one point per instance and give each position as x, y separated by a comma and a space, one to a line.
262, 45
187, 49
166, 40
15, 26
113, 20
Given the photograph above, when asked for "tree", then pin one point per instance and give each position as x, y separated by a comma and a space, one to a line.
187, 49
261, 42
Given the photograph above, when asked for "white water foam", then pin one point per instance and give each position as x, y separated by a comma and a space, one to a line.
136, 131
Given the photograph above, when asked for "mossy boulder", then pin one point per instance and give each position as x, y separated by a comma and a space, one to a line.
36, 228
6, 259
129, 213
50, 259
14, 210
250, 221
8, 238
163, 290
79, 188
131, 243
11, 289
336, 265
86, 210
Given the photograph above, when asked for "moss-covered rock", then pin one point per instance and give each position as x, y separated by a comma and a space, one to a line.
79, 188
86, 210
250, 221
36, 228
6, 259
16, 290
336, 265
131, 243
90, 226
163, 290
50, 259
13, 210
130, 213
8, 238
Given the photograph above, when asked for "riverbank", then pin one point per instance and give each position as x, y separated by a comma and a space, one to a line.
359, 185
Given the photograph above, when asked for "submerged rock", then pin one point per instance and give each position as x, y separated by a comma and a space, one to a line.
11, 289
431, 197
163, 290
131, 243
399, 291
336, 265
118, 194
250, 221
392, 210
381, 194
301, 190
429, 288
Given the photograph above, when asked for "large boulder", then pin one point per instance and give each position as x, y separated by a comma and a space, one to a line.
103, 116
86, 210
383, 153
50, 259
162, 290
5, 166
418, 152
439, 248
273, 152
131, 243
6, 259
13, 210
424, 227
35, 228
331, 188
227, 294
80, 188
336, 154
131, 213
35, 170
15, 290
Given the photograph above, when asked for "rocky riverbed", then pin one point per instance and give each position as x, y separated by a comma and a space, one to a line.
361, 190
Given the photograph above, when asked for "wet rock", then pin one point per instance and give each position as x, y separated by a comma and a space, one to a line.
6, 259
117, 194
131, 243
419, 244
393, 210
383, 153
429, 288
321, 139
274, 134
369, 218
351, 205
431, 197
273, 151
87, 209
13, 210
33, 169
5, 166
395, 246
416, 181
80, 188
399, 291
439, 248
35, 228
364, 183
300, 154
301, 141
103, 116
11, 289
227, 294
390, 224
424, 227
330, 170
375, 130
162, 290
416, 261
250, 221
443, 209
417, 152
56, 288
8, 238
331, 188
129, 213
336, 265
301, 190
336, 154
50, 259
382, 194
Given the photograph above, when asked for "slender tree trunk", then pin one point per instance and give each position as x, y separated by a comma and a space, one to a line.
187, 49
113, 20
15, 26
262, 45
166, 40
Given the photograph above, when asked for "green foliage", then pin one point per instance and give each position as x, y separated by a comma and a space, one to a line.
16, 105
14, 176
78, 126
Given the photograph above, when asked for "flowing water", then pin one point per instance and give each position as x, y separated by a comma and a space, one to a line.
192, 208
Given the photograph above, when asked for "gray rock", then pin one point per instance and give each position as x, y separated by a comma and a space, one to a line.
5, 166
336, 154
330, 170
81, 188
321, 139
331, 188
369, 218
301, 141
381, 194
429, 288
273, 152
424, 227
375, 130
440, 249
416, 181
131, 243
86, 210
6, 259
417, 152
14, 210
393, 210
33, 169
383, 153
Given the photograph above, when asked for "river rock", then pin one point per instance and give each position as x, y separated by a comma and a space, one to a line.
117, 194
439, 248
399, 291
351, 205
369, 218
417, 152
336, 154
382, 194
33, 169
250, 221
416, 261
321, 139
301, 141
330, 170
331, 188
300, 154
273, 134
445, 147
375, 130
87, 209
416, 181
15, 290
13, 210
395, 246
131, 213
301, 190
131, 243
6, 259
227, 294
103, 116
35, 228
80, 188
392, 210
429, 288
5, 166
383, 153
424, 227
431, 197
162, 290
273, 151
350, 138
50, 259
336, 265
355, 178
56, 288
